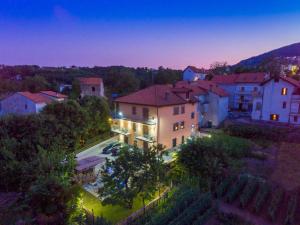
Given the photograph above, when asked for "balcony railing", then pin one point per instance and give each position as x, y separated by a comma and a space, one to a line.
120, 130
148, 121
145, 137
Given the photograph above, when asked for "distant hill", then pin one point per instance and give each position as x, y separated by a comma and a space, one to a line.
283, 52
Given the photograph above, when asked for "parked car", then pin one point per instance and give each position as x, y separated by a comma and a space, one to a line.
115, 151
108, 148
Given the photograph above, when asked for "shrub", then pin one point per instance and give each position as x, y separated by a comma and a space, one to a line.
290, 217
236, 188
261, 196
223, 187
273, 207
248, 192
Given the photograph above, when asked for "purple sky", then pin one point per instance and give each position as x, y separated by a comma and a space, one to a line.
151, 33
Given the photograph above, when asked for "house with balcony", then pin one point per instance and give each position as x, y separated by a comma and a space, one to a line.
212, 101
279, 102
192, 73
23, 103
242, 88
91, 86
160, 114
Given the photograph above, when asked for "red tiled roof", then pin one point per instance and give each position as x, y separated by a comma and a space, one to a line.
54, 94
156, 95
36, 97
202, 87
195, 69
240, 78
90, 80
287, 79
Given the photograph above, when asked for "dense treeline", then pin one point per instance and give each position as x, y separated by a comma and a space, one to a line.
117, 79
37, 154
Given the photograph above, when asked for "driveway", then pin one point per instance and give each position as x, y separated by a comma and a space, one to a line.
96, 150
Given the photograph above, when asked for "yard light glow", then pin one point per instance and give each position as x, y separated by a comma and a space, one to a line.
120, 114
209, 136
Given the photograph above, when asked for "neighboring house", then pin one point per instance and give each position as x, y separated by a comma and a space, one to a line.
280, 101
23, 103
63, 87
212, 101
157, 114
192, 73
91, 86
242, 89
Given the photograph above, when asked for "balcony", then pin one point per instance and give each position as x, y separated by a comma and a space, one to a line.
145, 137
147, 121
119, 130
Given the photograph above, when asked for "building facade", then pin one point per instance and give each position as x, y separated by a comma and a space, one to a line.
23, 103
192, 73
212, 101
91, 86
280, 101
242, 89
155, 115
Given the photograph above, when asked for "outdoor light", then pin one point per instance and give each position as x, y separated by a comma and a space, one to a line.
120, 114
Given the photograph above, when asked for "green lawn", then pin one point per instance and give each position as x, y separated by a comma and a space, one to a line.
113, 213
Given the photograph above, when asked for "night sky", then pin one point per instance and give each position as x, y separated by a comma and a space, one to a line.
143, 32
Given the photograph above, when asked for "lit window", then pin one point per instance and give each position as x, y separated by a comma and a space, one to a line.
175, 126
284, 91
274, 117
182, 125
284, 105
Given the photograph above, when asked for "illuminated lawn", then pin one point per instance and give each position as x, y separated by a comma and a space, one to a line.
110, 212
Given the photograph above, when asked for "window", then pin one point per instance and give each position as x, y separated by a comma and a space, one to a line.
174, 142
93, 89
133, 110
26, 106
242, 98
182, 125
242, 88
255, 89
176, 110
284, 105
182, 140
192, 115
258, 106
295, 119
182, 110
145, 113
299, 108
274, 117
175, 126
284, 91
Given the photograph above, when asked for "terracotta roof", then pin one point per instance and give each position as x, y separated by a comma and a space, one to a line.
54, 94
287, 79
90, 80
36, 97
240, 78
156, 95
88, 163
202, 87
195, 69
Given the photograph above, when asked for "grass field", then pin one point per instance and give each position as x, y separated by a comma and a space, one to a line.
113, 213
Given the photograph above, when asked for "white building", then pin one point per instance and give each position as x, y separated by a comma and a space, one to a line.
280, 101
23, 103
242, 89
192, 73
211, 99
